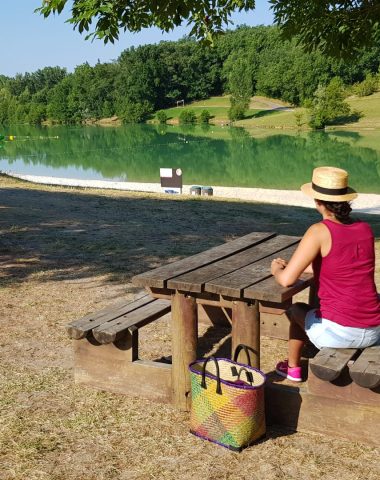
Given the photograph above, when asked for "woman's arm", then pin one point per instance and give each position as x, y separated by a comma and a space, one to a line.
307, 250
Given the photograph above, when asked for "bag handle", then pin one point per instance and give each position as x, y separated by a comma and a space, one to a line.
248, 374
246, 350
203, 384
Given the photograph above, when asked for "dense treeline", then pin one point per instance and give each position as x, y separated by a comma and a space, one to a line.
152, 77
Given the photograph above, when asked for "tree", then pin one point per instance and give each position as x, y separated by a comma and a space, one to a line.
111, 16
328, 104
187, 116
162, 116
368, 86
337, 28
135, 112
240, 87
205, 116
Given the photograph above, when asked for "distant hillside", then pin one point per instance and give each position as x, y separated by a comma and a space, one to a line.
272, 113
148, 78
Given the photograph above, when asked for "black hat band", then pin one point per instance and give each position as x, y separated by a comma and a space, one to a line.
329, 191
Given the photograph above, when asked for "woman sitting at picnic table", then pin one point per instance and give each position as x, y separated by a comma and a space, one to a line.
340, 252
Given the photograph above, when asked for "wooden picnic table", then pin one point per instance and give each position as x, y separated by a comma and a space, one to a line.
236, 276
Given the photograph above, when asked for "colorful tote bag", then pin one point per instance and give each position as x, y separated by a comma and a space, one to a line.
227, 402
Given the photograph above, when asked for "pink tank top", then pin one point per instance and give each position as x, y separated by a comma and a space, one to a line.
345, 277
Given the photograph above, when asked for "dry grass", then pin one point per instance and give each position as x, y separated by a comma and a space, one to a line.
65, 252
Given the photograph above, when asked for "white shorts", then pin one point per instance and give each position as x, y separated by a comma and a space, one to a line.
325, 333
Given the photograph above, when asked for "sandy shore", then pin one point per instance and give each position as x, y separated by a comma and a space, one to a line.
366, 202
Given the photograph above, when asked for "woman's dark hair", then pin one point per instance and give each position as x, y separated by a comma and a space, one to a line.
341, 210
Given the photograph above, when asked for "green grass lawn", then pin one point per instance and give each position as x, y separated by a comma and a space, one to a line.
260, 115
369, 107
218, 113
218, 108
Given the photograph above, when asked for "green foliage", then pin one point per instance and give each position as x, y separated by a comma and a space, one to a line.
187, 116
245, 61
136, 112
240, 82
328, 104
162, 116
368, 86
240, 85
236, 112
336, 28
204, 116
299, 117
37, 113
207, 18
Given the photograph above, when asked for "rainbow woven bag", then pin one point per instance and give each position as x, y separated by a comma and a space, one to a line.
225, 409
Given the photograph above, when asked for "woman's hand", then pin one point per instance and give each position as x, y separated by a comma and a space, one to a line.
277, 264
286, 274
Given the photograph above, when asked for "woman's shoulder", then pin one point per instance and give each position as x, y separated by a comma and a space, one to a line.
317, 229
317, 232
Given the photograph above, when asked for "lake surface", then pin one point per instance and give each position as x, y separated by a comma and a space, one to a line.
207, 155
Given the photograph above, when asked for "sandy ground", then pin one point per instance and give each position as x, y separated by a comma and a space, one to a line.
65, 252
365, 203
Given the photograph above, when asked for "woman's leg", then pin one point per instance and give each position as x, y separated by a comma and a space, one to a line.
297, 336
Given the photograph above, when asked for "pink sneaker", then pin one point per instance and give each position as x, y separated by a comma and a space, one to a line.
291, 373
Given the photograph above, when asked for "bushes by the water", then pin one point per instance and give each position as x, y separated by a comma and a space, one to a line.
187, 116
162, 116
205, 116
236, 112
328, 104
368, 86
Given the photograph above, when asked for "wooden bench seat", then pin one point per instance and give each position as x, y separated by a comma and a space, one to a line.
111, 323
363, 365
105, 345
366, 369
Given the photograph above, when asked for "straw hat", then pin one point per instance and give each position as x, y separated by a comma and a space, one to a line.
330, 184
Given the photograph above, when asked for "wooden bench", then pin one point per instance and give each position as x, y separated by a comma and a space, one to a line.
106, 349
363, 365
115, 321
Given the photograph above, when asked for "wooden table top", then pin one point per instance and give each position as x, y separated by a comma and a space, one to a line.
239, 269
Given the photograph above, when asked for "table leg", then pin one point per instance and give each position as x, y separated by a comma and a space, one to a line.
184, 346
246, 330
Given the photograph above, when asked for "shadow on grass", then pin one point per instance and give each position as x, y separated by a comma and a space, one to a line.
353, 118
76, 235
265, 113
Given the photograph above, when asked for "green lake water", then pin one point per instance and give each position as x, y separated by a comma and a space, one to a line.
207, 155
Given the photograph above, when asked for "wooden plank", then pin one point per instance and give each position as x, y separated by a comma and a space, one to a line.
246, 330
366, 369
329, 362
274, 307
274, 326
106, 367
80, 328
159, 276
234, 283
300, 410
195, 281
216, 316
184, 347
111, 331
343, 388
270, 290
